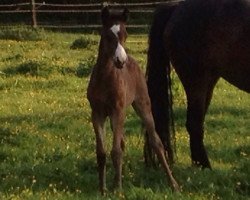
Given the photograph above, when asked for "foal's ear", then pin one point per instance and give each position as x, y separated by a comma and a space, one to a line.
125, 15
105, 15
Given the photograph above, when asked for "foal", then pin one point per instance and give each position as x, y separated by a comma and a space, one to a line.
117, 82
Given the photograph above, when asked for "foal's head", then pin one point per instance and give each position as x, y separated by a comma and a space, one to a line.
113, 35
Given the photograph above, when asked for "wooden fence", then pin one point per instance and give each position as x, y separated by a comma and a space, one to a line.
30, 13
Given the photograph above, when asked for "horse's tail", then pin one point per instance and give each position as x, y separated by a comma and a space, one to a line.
158, 78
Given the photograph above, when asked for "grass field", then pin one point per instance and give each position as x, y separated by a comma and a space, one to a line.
47, 145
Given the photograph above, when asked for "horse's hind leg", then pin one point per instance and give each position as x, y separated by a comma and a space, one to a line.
143, 108
198, 99
98, 124
117, 123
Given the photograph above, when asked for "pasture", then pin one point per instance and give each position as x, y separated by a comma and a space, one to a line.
47, 144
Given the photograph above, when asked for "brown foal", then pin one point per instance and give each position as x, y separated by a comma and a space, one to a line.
117, 82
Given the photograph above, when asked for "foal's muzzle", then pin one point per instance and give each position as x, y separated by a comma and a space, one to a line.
120, 56
119, 64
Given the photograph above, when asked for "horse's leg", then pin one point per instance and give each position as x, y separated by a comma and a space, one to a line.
198, 99
117, 121
98, 124
143, 108
210, 90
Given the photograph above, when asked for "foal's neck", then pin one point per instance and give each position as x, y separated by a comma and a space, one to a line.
104, 62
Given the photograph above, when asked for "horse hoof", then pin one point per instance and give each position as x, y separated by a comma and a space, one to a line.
204, 165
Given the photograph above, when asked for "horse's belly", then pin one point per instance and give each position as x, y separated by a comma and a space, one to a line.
238, 77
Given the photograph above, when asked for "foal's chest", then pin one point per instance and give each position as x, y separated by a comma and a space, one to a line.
107, 91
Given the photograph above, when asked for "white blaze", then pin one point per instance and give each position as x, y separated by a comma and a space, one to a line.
120, 53
115, 29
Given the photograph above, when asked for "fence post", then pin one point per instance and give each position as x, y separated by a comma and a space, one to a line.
33, 13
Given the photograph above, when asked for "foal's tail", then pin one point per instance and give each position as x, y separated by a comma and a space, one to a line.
158, 78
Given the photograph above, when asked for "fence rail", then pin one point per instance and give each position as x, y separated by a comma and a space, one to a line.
34, 10
95, 4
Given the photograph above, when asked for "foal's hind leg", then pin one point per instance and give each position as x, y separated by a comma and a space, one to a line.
98, 124
143, 108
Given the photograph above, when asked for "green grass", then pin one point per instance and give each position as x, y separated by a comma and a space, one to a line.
47, 145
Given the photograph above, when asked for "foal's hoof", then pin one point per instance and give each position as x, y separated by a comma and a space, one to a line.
119, 193
176, 187
103, 192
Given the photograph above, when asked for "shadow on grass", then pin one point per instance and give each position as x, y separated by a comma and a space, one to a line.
227, 110
225, 183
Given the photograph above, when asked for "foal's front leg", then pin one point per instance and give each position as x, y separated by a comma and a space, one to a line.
117, 122
98, 124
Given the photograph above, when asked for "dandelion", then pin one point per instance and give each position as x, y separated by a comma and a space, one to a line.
54, 190
78, 191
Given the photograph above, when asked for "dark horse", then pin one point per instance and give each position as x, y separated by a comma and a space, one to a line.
203, 40
117, 82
